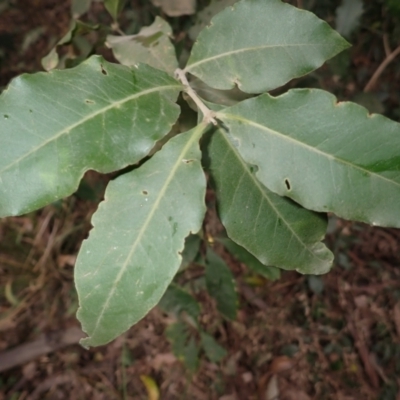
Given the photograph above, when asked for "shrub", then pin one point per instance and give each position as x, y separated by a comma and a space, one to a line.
277, 164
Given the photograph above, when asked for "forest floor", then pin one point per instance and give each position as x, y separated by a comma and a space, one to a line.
335, 336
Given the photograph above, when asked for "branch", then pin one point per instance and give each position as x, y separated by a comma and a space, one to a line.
386, 44
209, 116
371, 83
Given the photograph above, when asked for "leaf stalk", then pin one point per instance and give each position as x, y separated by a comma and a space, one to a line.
208, 115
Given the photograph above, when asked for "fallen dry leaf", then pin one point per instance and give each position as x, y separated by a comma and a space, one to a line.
176, 8
29, 370
163, 359
66, 259
280, 364
272, 392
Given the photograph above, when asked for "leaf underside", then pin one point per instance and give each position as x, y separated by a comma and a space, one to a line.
151, 46
176, 8
325, 155
217, 97
260, 45
133, 251
274, 229
55, 126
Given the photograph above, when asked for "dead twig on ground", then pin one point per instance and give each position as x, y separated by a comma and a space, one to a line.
45, 344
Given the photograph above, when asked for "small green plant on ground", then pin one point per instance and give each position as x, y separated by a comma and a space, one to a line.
277, 164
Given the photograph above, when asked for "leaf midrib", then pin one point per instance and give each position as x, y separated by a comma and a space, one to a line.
305, 145
195, 136
87, 118
264, 194
255, 48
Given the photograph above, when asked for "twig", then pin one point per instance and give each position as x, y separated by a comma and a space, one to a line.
209, 116
252, 298
371, 83
115, 27
386, 44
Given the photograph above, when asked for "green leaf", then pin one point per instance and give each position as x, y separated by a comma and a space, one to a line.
203, 17
394, 7
176, 300
325, 155
247, 258
315, 283
221, 285
51, 60
79, 7
216, 96
183, 345
176, 8
191, 355
274, 229
150, 46
348, 16
214, 352
76, 30
114, 7
260, 45
178, 335
133, 251
191, 250
55, 126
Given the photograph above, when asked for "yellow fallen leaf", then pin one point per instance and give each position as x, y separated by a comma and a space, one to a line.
151, 387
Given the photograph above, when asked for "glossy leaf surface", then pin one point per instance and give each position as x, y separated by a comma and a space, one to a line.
150, 46
260, 45
133, 251
325, 155
274, 229
55, 126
